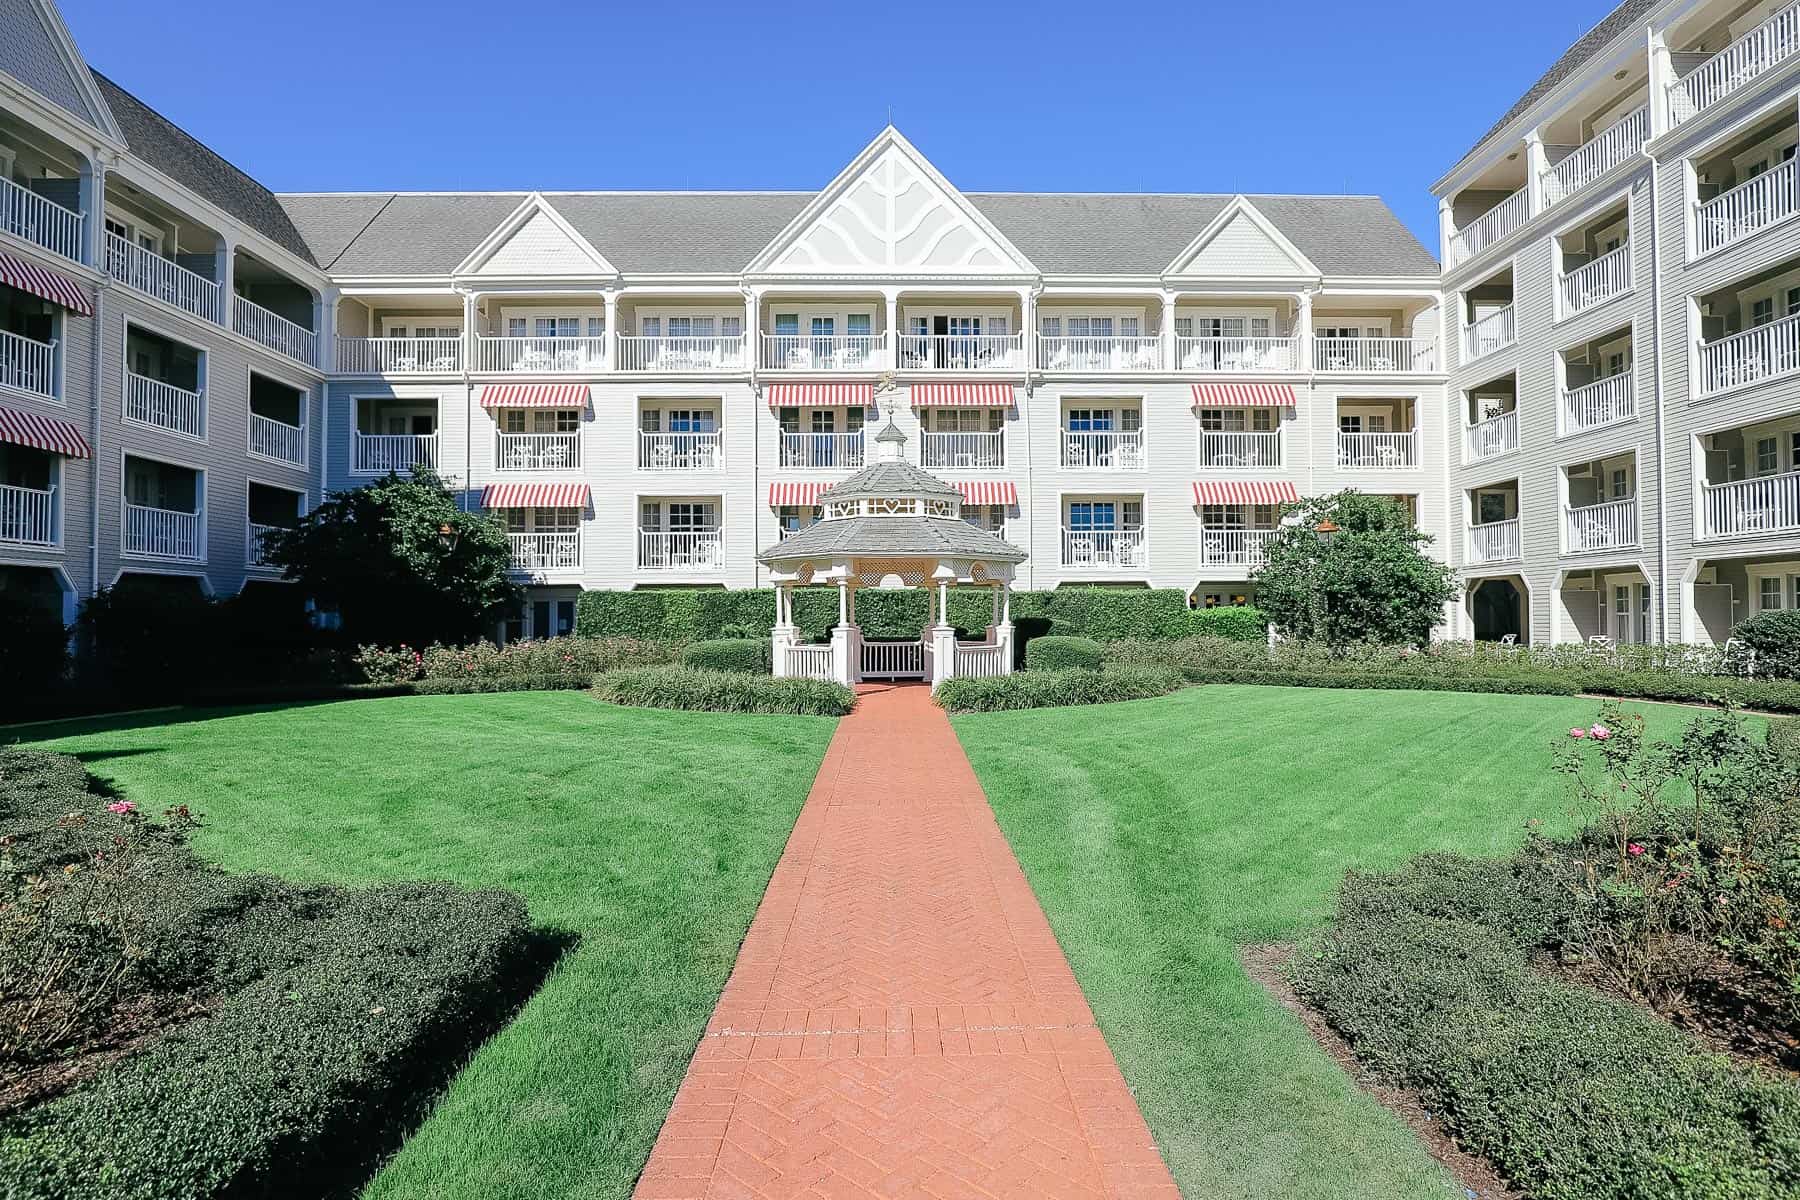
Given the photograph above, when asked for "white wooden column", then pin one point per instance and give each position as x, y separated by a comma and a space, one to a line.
225, 268
1537, 163
893, 328
611, 349
1169, 359
1303, 318
1446, 231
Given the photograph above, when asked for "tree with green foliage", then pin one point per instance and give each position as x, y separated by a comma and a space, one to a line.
400, 562
1349, 568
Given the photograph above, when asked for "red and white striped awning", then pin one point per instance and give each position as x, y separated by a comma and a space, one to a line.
963, 395
1245, 493
45, 284
797, 495
821, 395
534, 395
989, 491
1244, 395
534, 495
42, 433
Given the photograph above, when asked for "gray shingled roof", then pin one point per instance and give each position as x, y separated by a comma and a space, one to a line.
889, 479
29, 53
165, 146
896, 537
720, 232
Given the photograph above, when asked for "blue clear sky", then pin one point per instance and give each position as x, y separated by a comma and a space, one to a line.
1295, 96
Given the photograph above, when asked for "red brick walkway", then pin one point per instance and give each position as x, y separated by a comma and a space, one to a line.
900, 1022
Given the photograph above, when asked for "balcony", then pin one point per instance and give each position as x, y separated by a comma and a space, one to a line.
277, 440
164, 406
683, 354
1618, 142
1751, 507
158, 277
1737, 66
40, 221
864, 352
962, 352
1493, 542
1103, 549
542, 552
1377, 451
402, 453
1593, 284
541, 355
256, 543
1612, 525
962, 451
1493, 332
1103, 449
1225, 547
537, 451
681, 550
1490, 438
28, 365
1237, 355
1599, 403
822, 451
681, 451
1740, 359
399, 356
27, 515
1106, 353
1752, 205
163, 533
1490, 228
1223, 450
1374, 356
274, 331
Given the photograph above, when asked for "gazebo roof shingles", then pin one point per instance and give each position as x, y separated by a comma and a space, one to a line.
893, 537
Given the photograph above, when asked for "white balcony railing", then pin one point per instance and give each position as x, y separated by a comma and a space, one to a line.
274, 331
841, 352
681, 451
399, 356
1220, 547
43, 222
1494, 542
1596, 282
1237, 355
256, 543
1737, 66
1755, 204
28, 515
1225, 450
1750, 507
1492, 332
28, 365
1374, 356
680, 354
822, 451
1104, 549
1599, 403
278, 440
537, 451
1611, 525
403, 453
554, 551
162, 533
1623, 139
962, 451
681, 550
157, 276
1103, 449
1099, 353
541, 355
1378, 451
1765, 352
153, 402
1491, 437
962, 352
1490, 228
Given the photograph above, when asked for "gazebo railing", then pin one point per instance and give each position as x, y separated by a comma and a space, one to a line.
809, 662
980, 661
893, 660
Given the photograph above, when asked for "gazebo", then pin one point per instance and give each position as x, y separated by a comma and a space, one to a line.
892, 525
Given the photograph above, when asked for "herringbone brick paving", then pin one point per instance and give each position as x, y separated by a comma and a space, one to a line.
900, 1021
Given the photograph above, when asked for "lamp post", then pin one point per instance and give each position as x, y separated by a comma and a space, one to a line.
1327, 531
448, 537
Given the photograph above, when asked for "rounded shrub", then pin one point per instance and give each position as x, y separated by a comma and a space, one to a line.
1057, 689
740, 655
1054, 653
1775, 636
723, 691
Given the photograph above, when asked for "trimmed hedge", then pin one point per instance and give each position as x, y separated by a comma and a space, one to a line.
723, 691
557, 681
743, 655
1766, 695
1523, 685
1056, 689
1057, 653
1783, 737
1775, 636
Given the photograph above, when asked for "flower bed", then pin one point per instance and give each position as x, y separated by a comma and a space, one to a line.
539, 657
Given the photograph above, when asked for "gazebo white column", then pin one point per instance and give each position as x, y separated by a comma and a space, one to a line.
784, 636
846, 638
943, 634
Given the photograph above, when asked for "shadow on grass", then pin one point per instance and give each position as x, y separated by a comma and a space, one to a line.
149, 718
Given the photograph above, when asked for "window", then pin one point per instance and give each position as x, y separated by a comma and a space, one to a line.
651, 326
681, 327
967, 420
552, 618
1762, 312
691, 515
1090, 420
731, 327
1621, 483
824, 327
857, 325
1768, 593
1224, 600
515, 327
1184, 327
596, 326
1622, 613
991, 517
787, 324
692, 420
792, 518
1050, 326
1222, 516
1490, 507
1768, 458
1791, 300
824, 420
1093, 514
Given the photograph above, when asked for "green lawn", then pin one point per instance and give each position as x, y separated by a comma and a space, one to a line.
1162, 834
650, 834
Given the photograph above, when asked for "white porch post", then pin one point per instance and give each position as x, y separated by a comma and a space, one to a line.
1169, 357
893, 328
610, 348
943, 640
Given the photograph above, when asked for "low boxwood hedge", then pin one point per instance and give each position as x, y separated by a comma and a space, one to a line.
1057, 689
723, 691
1523, 685
746, 656
1057, 653
1765, 695
554, 681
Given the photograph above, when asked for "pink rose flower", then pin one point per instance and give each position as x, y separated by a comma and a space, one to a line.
1600, 732
121, 807
1634, 850
1577, 733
